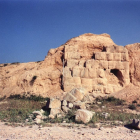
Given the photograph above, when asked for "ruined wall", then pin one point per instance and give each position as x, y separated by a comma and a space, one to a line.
106, 72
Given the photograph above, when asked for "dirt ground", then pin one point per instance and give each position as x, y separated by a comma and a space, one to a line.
56, 132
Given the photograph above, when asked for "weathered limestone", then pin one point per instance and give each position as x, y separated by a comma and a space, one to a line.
83, 115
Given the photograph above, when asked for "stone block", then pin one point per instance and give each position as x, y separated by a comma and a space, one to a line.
89, 88
124, 57
109, 56
94, 81
119, 49
103, 64
125, 74
68, 80
119, 65
92, 73
101, 81
126, 65
86, 81
117, 56
68, 87
69, 97
76, 72
84, 73
89, 63
81, 63
79, 94
77, 80
72, 55
111, 65
100, 73
95, 64
83, 115
71, 48
71, 63
100, 56
55, 111
64, 103
108, 89
55, 103
67, 72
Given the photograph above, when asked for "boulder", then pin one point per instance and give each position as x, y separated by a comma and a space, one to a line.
69, 97
83, 115
55, 103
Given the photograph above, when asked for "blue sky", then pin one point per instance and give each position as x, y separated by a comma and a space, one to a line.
29, 28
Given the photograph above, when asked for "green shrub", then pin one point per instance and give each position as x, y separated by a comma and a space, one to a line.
132, 106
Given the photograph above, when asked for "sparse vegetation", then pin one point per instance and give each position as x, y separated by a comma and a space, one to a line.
132, 106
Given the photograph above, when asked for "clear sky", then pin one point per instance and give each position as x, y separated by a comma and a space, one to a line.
29, 28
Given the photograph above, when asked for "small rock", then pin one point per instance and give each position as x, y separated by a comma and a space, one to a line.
64, 103
101, 128
38, 116
99, 103
65, 109
133, 131
51, 116
70, 105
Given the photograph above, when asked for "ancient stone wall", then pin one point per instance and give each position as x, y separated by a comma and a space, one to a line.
106, 72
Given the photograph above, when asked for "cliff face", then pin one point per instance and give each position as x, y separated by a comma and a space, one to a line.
90, 61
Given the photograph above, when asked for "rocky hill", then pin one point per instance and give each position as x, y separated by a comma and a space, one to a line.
90, 61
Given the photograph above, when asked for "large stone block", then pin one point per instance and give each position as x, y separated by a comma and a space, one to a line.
82, 63
71, 63
83, 115
69, 97
78, 93
100, 56
55, 111
68, 80
76, 72
103, 64
92, 73
55, 103
101, 81
89, 63
94, 81
68, 87
117, 56
111, 64
77, 80
100, 73
95, 64
108, 89
119, 65
124, 57
84, 73
69, 48
109, 56
67, 72
126, 65
86, 81
72, 55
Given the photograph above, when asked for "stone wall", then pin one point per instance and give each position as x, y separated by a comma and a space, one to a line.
106, 72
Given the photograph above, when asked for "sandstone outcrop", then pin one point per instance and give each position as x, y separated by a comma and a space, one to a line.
134, 62
89, 61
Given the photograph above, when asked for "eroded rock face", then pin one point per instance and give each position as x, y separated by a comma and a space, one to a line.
134, 62
90, 61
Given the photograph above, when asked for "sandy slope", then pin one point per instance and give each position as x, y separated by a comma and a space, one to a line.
66, 133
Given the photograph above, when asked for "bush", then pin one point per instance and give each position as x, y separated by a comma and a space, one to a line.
132, 106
